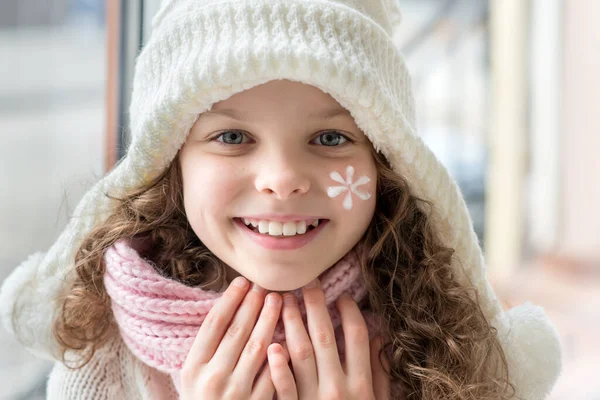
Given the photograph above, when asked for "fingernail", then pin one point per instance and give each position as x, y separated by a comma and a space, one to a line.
312, 284
256, 288
274, 350
272, 299
289, 300
240, 281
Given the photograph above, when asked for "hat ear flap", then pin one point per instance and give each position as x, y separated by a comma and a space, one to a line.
533, 350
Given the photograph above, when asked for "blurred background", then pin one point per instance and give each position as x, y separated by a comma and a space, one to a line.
507, 96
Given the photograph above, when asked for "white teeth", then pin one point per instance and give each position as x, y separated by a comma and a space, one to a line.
263, 226
275, 228
289, 229
301, 227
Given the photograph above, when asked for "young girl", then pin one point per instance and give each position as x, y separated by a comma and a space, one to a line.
277, 228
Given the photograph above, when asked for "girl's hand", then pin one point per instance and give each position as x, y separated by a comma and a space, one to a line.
226, 355
318, 373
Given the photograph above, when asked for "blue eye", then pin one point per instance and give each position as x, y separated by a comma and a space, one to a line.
331, 139
230, 137
328, 139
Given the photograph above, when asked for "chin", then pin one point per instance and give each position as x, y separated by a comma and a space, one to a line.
280, 284
279, 287
282, 274
288, 283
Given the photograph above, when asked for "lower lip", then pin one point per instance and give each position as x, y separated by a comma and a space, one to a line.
281, 242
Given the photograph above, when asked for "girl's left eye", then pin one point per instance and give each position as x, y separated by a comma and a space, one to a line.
231, 137
331, 139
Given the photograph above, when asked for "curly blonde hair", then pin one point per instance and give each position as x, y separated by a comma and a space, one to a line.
441, 344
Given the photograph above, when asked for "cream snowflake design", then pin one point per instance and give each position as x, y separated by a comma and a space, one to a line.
348, 186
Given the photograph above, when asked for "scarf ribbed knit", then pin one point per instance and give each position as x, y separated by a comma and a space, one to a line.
159, 318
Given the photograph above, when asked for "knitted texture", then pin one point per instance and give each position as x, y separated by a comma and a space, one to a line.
113, 373
159, 318
204, 51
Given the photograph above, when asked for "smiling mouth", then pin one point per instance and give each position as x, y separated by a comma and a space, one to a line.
280, 229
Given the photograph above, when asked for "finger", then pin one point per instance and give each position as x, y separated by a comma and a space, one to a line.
299, 346
379, 366
263, 386
281, 374
322, 335
255, 351
235, 338
216, 322
356, 339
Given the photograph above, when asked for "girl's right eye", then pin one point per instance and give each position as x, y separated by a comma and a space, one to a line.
231, 137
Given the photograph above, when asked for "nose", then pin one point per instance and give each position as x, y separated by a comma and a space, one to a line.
282, 176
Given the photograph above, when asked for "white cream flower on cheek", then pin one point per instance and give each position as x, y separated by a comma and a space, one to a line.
348, 186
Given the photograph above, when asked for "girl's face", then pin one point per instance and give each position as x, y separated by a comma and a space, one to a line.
281, 155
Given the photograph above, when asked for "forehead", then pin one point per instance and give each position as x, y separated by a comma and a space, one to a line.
280, 97
307, 115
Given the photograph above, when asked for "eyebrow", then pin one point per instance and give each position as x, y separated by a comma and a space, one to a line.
327, 113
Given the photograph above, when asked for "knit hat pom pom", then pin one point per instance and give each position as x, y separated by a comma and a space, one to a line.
533, 350
393, 11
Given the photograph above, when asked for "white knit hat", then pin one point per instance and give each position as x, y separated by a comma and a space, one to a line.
204, 51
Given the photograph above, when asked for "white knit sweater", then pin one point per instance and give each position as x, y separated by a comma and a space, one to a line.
114, 373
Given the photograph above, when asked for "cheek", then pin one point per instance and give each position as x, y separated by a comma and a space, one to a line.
354, 206
207, 186
352, 187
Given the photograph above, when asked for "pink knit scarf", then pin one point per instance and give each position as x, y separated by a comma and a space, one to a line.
159, 318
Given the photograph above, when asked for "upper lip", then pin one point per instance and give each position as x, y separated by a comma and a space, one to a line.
282, 217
